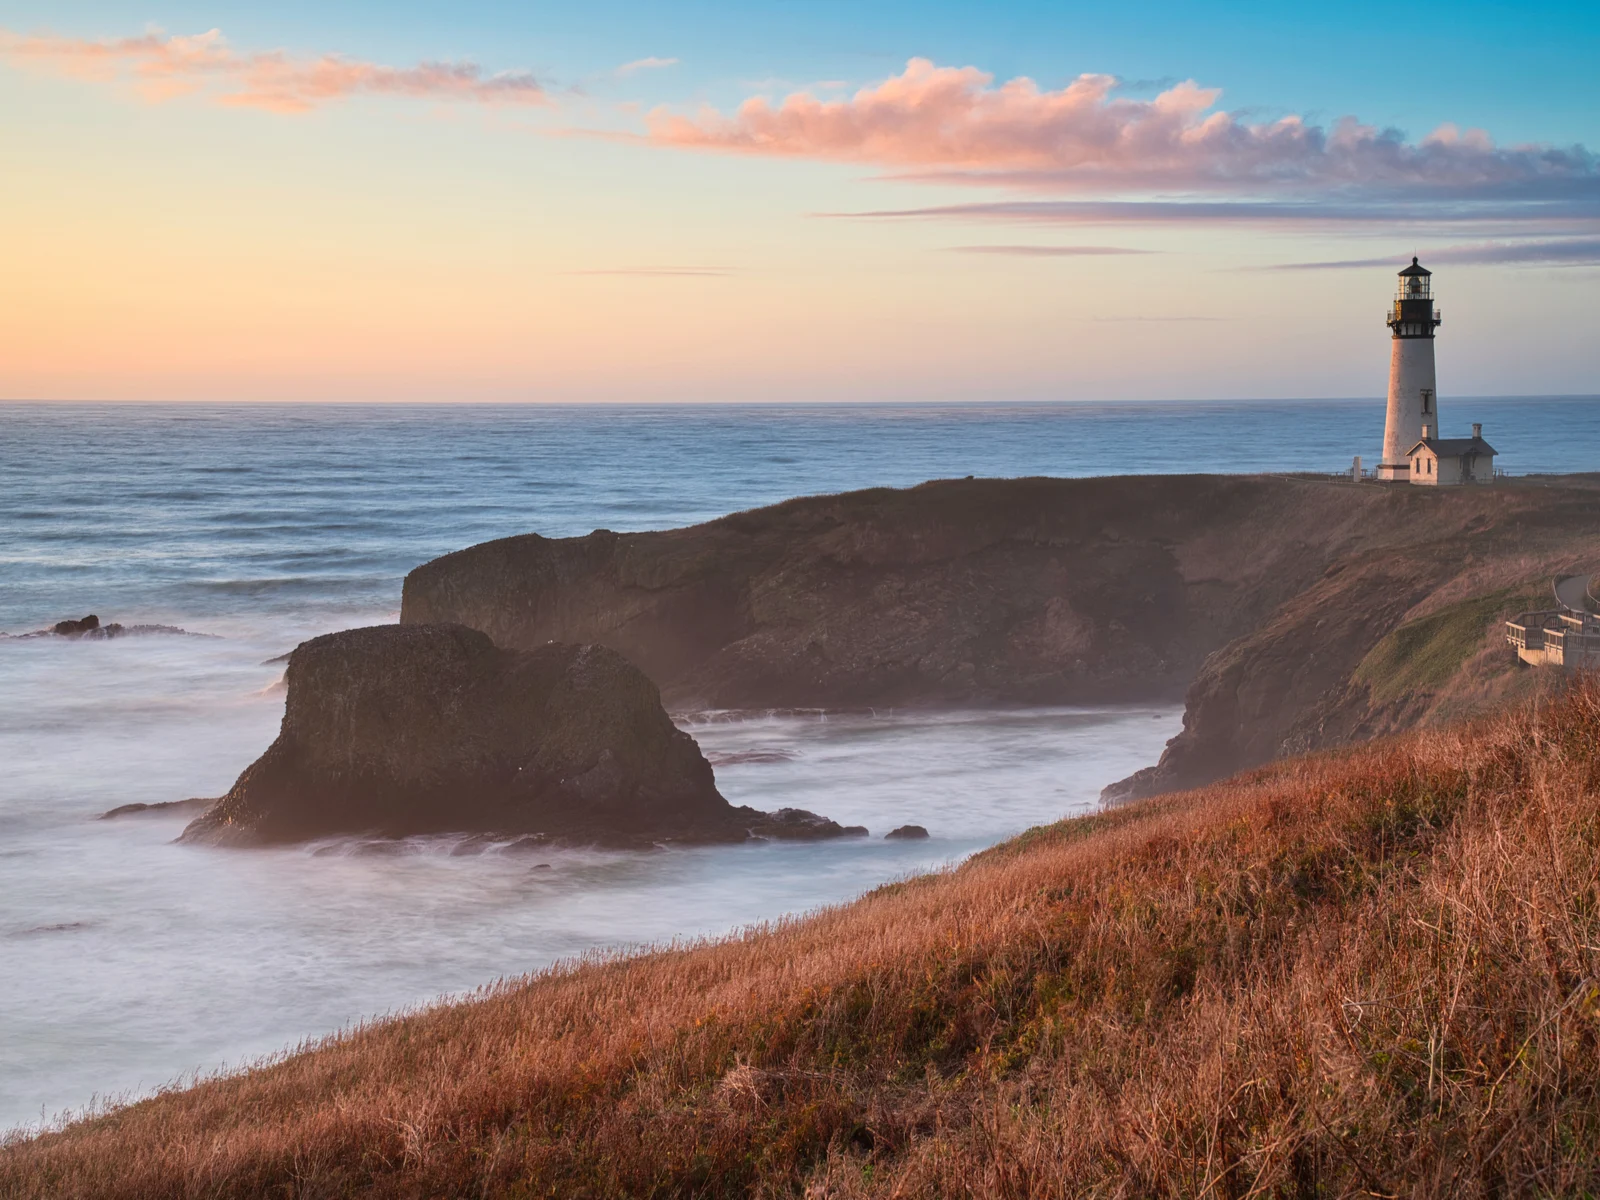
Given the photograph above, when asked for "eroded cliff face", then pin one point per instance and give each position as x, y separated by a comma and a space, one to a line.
960, 592
1257, 596
1405, 630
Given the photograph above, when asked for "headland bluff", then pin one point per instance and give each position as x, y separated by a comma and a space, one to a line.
1291, 613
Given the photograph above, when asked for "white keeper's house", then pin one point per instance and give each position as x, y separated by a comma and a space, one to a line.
1438, 461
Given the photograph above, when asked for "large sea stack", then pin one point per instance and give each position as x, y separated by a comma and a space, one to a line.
398, 730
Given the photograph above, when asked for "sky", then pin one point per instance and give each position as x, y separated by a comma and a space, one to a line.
628, 201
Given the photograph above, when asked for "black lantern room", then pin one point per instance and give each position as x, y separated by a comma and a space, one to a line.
1413, 314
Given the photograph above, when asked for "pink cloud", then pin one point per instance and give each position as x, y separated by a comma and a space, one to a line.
645, 64
163, 65
956, 124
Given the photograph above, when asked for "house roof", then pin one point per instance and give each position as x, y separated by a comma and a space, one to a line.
1453, 447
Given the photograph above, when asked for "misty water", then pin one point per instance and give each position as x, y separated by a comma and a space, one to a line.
127, 961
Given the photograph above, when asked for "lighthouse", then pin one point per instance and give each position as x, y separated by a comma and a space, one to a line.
1413, 391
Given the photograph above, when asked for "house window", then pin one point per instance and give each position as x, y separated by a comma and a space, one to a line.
1430, 466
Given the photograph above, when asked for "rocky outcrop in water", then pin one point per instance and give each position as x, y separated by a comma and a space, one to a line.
397, 730
89, 628
906, 833
165, 808
797, 825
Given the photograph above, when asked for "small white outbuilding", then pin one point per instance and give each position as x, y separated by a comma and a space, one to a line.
1437, 462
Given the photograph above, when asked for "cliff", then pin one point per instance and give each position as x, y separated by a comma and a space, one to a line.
960, 592
1256, 597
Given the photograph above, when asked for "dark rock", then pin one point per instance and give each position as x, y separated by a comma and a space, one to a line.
76, 628
164, 808
1141, 783
58, 927
397, 730
906, 833
796, 825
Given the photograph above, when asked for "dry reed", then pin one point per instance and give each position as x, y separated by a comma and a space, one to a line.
1370, 973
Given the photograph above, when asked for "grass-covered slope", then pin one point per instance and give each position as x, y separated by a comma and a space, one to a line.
1369, 973
1422, 656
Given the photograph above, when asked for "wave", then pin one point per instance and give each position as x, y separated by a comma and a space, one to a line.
470, 845
58, 927
728, 758
275, 584
103, 633
735, 716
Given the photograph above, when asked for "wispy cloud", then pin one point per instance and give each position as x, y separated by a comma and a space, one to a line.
645, 64
1045, 251
1569, 251
957, 124
163, 65
1387, 210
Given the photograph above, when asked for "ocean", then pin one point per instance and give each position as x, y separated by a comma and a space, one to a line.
128, 962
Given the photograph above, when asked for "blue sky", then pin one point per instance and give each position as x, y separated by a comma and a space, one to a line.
174, 231
1525, 71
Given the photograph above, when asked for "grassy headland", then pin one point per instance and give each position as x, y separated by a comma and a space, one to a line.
1370, 972
1259, 599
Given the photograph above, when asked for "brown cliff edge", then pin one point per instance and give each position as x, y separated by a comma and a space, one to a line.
1258, 598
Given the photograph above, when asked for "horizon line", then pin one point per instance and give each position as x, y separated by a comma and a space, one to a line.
1375, 397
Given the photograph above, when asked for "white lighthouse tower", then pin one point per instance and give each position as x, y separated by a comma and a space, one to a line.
1413, 390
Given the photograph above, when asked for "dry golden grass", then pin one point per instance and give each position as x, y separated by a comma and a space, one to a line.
1372, 973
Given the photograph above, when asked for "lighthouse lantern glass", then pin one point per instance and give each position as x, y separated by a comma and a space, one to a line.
1414, 283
